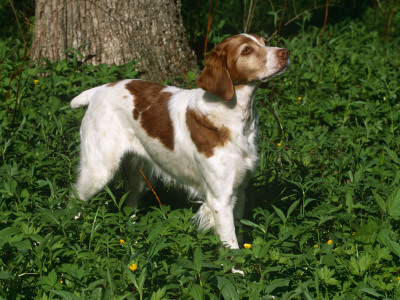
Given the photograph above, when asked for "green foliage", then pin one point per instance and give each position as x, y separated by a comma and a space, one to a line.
323, 209
276, 18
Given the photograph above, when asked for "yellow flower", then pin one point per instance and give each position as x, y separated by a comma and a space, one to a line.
398, 278
279, 144
316, 246
36, 81
299, 98
247, 246
133, 267
61, 281
330, 242
121, 241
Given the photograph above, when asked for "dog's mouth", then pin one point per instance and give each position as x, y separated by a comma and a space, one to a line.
280, 71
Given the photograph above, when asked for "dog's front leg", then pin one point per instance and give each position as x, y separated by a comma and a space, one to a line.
222, 212
238, 214
224, 222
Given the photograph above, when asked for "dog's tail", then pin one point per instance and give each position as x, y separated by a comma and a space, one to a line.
84, 98
204, 218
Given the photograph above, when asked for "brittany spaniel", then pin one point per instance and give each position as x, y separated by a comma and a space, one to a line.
202, 139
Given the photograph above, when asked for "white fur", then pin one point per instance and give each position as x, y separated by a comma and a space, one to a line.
111, 139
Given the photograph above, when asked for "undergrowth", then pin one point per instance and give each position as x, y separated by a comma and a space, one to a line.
323, 210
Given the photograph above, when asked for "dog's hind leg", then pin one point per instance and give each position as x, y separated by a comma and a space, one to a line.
94, 175
136, 183
100, 157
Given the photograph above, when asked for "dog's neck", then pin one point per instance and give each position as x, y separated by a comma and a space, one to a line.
245, 94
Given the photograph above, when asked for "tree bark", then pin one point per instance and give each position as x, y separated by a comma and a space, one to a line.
116, 32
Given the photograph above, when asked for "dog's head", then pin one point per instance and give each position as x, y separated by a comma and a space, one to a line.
241, 59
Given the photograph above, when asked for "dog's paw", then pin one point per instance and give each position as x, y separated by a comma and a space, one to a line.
237, 271
133, 219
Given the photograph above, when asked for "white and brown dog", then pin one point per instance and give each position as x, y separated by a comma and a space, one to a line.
202, 139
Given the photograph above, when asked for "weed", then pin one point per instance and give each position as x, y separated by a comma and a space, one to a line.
323, 209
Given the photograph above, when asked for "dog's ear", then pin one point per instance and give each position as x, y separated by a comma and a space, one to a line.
215, 77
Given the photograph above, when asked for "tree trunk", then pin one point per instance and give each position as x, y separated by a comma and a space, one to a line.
116, 32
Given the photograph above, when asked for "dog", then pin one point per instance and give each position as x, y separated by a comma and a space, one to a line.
203, 139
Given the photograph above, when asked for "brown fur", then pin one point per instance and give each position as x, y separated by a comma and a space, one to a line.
111, 84
223, 70
215, 77
151, 106
241, 70
204, 134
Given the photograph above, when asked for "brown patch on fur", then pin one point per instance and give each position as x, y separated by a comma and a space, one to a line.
204, 134
111, 84
151, 106
215, 77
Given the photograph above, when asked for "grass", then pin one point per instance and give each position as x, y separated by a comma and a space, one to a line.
323, 209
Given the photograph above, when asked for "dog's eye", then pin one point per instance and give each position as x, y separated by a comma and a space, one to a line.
247, 51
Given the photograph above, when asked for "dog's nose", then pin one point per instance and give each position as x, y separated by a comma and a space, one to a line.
283, 54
